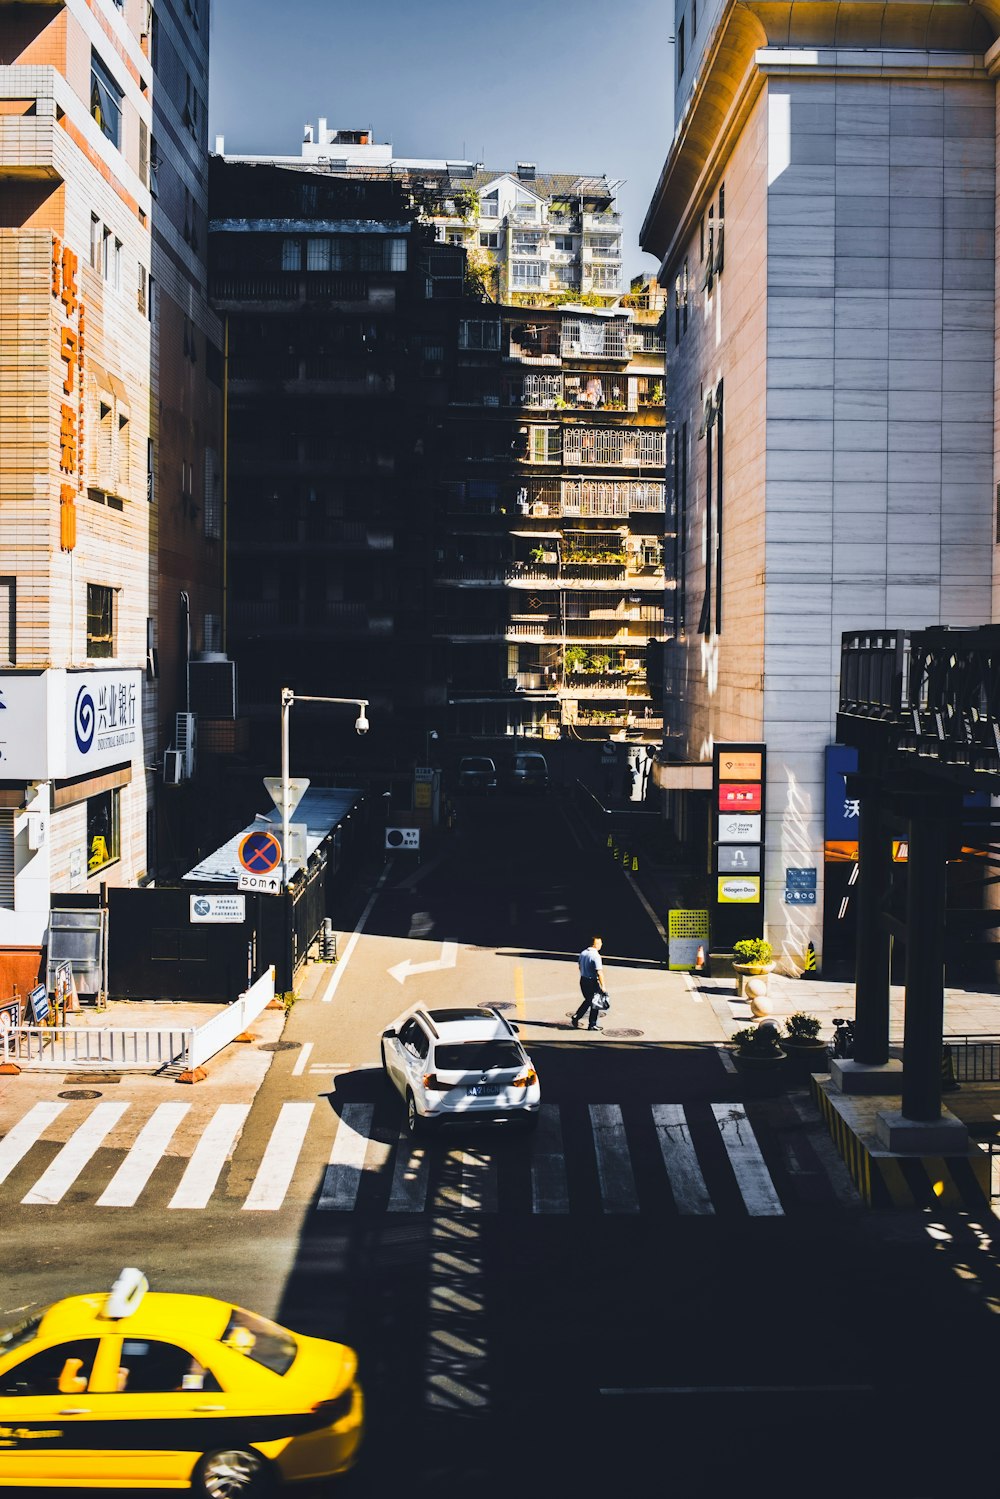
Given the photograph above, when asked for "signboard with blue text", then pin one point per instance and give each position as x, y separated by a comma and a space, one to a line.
57, 724
800, 887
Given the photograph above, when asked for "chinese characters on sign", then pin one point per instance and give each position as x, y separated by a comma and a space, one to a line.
71, 407
738, 776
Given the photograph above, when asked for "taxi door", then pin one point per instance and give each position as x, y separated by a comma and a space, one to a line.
156, 1408
46, 1415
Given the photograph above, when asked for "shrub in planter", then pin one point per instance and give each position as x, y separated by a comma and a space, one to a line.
752, 952
806, 1052
759, 1057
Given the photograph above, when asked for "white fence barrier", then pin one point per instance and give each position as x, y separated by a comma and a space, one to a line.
222, 1028
67, 1048
64, 1048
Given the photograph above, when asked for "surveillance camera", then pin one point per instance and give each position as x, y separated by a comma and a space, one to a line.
361, 723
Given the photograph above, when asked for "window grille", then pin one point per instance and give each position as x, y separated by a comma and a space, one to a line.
614, 446
478, 335
7, 858
212, 497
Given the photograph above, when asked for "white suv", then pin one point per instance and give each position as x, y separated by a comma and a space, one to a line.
460, 1065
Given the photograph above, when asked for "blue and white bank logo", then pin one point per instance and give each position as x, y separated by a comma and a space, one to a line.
84, 720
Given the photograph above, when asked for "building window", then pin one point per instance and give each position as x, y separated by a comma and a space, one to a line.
103, 830
684, 289
489, 207
191, 106
526, 273
8, 621
606, 278
525, 243
100, 621
455, 237
397, 255
680, 50
545, 445
317, 254
105, 100
291, 255
144, 153
124, 454
96, 241
150, 470
489, 240
7, 858
114, 276
154, 166
563, 242
478, 335
151, 299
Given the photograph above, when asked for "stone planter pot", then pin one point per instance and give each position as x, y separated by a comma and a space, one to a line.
805, 1057
761, 1076
745, 971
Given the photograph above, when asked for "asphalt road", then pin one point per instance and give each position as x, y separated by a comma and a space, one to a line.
560, 1314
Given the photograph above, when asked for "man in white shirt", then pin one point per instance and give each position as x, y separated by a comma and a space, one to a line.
591, 984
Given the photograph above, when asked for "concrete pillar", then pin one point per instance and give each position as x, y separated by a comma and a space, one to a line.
925, 925
871, 1026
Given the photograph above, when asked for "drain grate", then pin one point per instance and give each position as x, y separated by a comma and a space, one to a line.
104, 1078
279, 1046
80, 1093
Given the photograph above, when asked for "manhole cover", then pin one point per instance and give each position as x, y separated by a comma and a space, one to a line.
80, 1093
279, 1046
624, 1034
104, 1078
503, 1004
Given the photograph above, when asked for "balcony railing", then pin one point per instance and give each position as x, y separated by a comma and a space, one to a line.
601, 223
614, 447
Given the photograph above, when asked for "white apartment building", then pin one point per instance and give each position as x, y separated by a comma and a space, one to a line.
530, 234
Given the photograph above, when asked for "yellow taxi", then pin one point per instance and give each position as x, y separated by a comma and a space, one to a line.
133, 1389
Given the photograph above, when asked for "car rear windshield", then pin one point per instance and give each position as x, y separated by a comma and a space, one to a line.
477, 765
478, 1056
263, 1341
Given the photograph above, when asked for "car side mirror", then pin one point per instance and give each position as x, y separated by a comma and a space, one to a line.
514, 1027
388, 1034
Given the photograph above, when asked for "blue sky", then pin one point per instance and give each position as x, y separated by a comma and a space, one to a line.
584, 88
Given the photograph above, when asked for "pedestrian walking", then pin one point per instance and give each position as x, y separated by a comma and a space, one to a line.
591, 985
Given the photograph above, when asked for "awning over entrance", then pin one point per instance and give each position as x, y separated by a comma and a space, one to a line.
321, 809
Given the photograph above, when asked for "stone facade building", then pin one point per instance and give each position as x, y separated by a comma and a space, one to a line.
825, 222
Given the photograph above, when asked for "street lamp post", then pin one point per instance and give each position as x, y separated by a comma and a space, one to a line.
288, 697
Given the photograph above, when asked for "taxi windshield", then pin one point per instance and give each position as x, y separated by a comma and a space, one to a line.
16, 1337
258, 1339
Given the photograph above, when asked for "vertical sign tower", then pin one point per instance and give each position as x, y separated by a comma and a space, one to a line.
738, 781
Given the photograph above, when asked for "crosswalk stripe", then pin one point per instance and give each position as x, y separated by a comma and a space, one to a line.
18, 1141
549, 1187
84, 1143
144, 1156
410, 1176
614, 1165
752, 1175
274, 1174
472, 1187
683, 1170
351, 1143
211, 1153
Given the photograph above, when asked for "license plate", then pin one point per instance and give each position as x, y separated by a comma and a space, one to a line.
483, 1090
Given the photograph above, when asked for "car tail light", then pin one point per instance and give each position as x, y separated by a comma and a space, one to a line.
526, 1079
335, 1410
432, 1082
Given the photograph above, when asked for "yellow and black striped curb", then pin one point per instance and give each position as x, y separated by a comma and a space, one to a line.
885, 1180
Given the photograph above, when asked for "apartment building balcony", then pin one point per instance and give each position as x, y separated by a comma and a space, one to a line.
608, 684
538, 683
611, 718
602, 223
230, 292
27, 143
469, 574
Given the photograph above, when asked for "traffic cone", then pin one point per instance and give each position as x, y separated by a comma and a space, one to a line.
624, 858
611, 840
699, 959
635, 863
809, 962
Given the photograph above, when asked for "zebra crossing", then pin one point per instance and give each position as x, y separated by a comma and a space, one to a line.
694, 1160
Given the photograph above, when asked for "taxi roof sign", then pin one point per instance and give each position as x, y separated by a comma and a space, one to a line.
125, 1296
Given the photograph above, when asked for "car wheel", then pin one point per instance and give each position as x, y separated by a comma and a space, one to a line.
232, 1473
414, 1123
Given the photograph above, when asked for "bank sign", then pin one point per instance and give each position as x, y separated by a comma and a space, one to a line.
58, 724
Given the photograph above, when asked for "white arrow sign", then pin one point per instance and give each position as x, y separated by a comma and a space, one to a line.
448, 958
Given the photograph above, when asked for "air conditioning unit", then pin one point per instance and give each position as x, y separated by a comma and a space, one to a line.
185, 739
212, 686
173, 767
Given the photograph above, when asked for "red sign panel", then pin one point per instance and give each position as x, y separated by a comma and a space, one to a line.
739, 796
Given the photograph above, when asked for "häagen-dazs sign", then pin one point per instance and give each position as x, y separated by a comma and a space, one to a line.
56, 724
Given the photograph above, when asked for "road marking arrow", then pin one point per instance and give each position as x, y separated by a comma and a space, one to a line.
448, 959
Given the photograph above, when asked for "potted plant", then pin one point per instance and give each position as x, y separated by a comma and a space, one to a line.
806, 1052
759, 1057
752, 958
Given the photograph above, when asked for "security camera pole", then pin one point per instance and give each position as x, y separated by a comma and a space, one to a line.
288, 697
